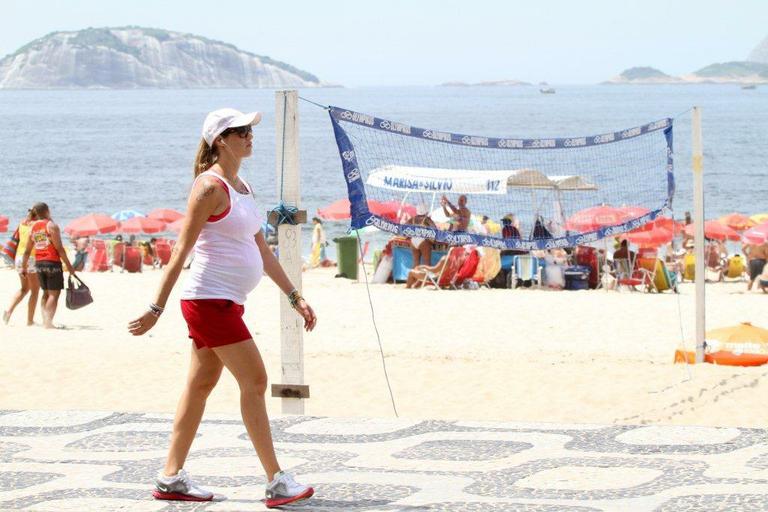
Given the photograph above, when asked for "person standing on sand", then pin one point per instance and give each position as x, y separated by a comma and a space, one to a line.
45, 240
458, 215
29, 282
757, 255
224, 227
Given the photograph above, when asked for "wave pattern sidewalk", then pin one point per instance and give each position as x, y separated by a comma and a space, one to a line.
76, 461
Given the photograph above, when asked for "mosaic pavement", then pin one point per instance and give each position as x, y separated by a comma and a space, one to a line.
93, 461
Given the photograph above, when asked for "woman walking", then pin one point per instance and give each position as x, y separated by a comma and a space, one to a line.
45, 239
224, 227
29, 282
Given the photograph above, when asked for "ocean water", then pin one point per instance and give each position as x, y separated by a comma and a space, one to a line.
104, 151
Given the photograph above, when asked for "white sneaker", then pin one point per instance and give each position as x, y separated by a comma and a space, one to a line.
283, 489
179, 487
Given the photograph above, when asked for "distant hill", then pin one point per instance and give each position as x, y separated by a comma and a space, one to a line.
643, 75
737, 71
136, 57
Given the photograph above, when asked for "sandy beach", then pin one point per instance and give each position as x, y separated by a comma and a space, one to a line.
507, 355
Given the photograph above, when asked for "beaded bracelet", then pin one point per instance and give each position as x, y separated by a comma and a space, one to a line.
294, 297
156, 310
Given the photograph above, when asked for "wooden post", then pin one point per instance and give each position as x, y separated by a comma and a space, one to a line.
289, 244
698, 220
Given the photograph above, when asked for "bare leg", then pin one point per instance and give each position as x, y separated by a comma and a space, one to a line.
204, 371
426, 252
34, 290
416, 255
50, 308
44, 307
244, 361
17, 297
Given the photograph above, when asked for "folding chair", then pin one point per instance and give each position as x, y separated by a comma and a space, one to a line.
447, 275
525, 268
629, 276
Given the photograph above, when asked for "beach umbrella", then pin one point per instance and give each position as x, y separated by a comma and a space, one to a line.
713, 229
633, 212
737, 221
594, 218
664, 223
126, 214
166, 215
760, 218
651, 237
756, 235
142, 225
340, 210
175, 226
92, 224
390, 209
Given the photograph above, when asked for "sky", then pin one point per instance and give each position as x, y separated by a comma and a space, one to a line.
428, 42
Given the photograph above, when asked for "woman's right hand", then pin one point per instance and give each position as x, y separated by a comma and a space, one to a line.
142, 324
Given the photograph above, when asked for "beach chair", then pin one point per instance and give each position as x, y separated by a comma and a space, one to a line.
447, 275
468, 268
488, 267
163, 253
629, 276
132, 259
659, 278
689, 267
97, 258
118, 251
525, 268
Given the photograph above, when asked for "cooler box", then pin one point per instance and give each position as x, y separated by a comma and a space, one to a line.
577, 277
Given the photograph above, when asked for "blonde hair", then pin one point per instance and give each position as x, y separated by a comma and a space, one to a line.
206, 156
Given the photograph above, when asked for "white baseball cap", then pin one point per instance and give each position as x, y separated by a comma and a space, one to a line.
219, 120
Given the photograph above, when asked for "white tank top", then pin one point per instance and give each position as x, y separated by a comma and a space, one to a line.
227, 262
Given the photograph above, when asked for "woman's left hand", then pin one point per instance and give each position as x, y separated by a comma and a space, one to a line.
306, 311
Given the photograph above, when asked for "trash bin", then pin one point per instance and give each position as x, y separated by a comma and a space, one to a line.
347, 252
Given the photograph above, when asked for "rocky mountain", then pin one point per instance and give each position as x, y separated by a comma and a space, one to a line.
760, 52
643, 75
736, 72
135, 57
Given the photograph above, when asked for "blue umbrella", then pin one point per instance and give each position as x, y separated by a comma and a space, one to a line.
126, 214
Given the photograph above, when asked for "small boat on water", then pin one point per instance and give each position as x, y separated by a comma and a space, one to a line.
749, 86
547, 90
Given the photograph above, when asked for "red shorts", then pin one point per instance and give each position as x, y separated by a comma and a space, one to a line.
214, 322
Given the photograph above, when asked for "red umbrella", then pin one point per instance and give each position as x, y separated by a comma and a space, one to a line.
596, 217
142, 225
339, 210
176, 225
650, 237
165, 214
757, 235
92, 224
633, 212
662, 222
737, 221
713, 229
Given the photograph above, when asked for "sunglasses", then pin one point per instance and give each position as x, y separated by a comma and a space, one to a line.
242, 131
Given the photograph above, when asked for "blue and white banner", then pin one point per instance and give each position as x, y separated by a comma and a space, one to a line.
350, 116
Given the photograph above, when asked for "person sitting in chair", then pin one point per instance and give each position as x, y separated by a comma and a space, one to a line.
623, 252
417, 274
